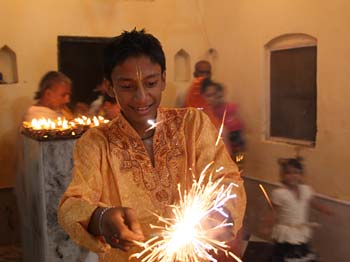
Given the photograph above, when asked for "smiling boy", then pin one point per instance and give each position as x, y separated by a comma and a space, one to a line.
125, 170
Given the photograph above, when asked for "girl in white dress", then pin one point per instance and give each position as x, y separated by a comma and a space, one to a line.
292, 230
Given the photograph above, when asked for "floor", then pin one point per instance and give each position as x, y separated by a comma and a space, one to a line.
255, 251
11, 253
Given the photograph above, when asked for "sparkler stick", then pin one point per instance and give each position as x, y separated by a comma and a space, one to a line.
266, 196
221, 128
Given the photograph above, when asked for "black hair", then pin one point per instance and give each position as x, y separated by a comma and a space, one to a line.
208, 82
290, 162
132, 44
48, 80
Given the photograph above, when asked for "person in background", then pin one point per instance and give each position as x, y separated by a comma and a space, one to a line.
109, 108
53, 96
292, 230
125, 171
213, 93
81, 109
194, 98
102, 89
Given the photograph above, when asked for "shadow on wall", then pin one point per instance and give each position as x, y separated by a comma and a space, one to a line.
11, 119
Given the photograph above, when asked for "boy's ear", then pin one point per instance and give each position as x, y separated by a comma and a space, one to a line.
163, 80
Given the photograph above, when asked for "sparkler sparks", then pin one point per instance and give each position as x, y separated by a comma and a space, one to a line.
191, 234
199, 225
152, 124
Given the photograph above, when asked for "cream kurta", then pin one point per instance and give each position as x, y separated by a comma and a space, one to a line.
112, 168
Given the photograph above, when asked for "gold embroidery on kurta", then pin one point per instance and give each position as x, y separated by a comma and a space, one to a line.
160, 182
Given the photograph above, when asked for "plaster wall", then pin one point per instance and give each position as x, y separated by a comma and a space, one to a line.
240, 30
30, 29
237, 30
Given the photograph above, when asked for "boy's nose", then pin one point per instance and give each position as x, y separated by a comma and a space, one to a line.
140, 92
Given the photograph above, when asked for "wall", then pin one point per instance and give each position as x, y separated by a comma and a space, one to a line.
31, 30
238, 30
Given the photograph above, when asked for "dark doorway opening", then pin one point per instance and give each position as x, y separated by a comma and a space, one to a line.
81, 59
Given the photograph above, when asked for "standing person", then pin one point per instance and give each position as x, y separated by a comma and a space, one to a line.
110, 108
214, 95
102, 89
53, 96
194, 98
123, 171
292, 230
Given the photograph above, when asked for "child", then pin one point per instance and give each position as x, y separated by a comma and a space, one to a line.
292, 230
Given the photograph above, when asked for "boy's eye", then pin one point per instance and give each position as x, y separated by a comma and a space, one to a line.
125, 86
151, 83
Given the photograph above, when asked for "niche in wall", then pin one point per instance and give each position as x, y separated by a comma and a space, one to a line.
8, 66
182, 66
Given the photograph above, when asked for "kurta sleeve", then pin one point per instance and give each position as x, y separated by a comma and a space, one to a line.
277, 197
205, 135
84, 192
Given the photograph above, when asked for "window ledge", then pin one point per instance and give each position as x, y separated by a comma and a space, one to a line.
291, 141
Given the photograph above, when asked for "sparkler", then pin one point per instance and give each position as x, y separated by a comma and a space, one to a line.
191, 234
152, 124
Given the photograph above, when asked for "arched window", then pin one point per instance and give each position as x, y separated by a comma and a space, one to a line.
291, 62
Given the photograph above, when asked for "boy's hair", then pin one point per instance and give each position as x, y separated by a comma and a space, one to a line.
208, 82
48, 80
290, 162
132, 44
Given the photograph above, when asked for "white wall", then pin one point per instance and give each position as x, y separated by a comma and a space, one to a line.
238, 30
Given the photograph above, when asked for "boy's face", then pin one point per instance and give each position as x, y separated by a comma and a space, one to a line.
138, 84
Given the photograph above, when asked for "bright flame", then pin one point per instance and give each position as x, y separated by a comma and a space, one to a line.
62, 123
46, 127
239, 157
189, 236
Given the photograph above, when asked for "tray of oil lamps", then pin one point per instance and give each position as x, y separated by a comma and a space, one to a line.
54, 134
59, 129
